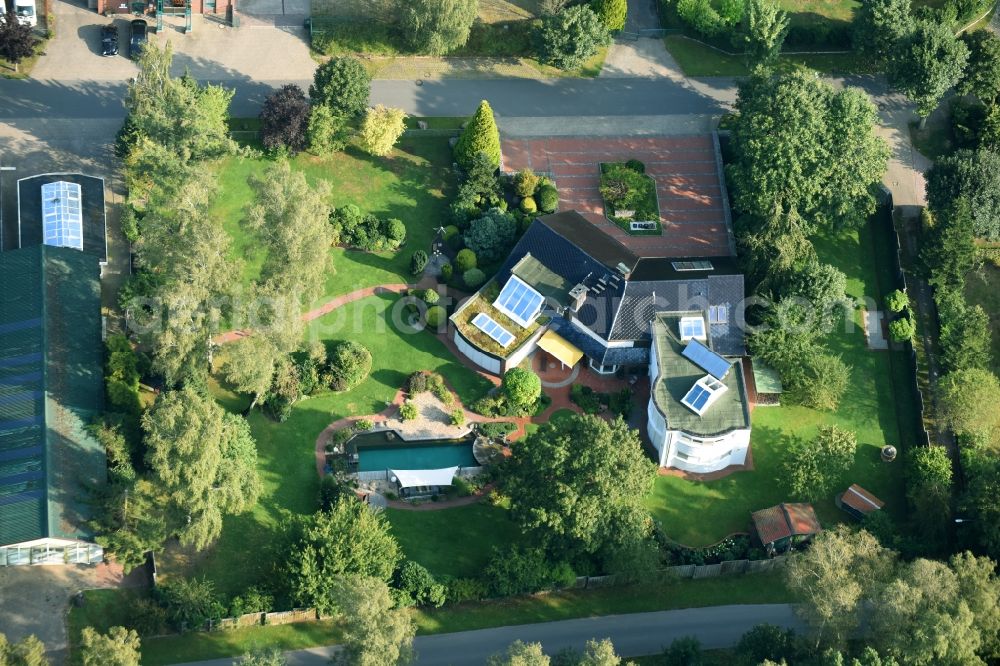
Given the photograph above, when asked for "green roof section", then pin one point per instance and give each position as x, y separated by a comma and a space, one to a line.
547, 283
676, 375
51, 387
766, 378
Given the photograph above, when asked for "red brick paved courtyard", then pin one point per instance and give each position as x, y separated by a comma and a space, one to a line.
687, 185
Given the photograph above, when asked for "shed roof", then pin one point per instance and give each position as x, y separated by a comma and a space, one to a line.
51, 386
861, 500
765, 378
784, 521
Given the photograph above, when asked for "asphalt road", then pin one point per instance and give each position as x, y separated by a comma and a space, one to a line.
442, 97
633, 635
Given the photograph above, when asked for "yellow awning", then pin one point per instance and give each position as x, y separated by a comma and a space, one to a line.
556, 345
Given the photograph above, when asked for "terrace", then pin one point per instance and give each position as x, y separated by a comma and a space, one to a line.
482, 303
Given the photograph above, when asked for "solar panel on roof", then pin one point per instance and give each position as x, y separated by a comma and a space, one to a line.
706, 359
486, 324
519, 301
62, 216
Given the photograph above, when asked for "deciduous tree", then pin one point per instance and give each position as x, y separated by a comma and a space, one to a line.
284, 119
569, 38
577, 485
766, 28
879, 25
522, 387
814, 469
342, 84
375, 632
118, 647
266, 657
929, 490
381, 129
249, 366
974, 177
437, 27
926, 63
492, 235
520, 654
969, 404
17, 40
982, 73
348, 539
834, 576
611, 12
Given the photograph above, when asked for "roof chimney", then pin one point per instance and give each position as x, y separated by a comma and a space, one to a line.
578, 295
624, 270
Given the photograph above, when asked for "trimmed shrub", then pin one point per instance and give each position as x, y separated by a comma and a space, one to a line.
416, 383
435, 317
901, 330
366, 231
349, 363
528, 206
479, 136
473, 278
363, 424
525, 183
447, 271
897, 301
611, 12
457, 417
449, 232
418, 262
408, 411
548, 198
415, 586
635, 165
465, 260
522, 387
429, 296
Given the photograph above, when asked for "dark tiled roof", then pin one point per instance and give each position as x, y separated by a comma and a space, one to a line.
571, 225
51, 385
727, 339
663, 269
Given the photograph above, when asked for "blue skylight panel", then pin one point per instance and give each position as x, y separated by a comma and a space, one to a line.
485, 323
692, 327
62, 215
706, 359
519, 301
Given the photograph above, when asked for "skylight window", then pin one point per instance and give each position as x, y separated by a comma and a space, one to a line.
501, 335
692, 328
519, 301
692, 265
703, 394
718, 314
62, 216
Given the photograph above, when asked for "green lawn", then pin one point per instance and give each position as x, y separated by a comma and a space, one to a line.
982, 288
455, 542
413, 184
252, 544
697, 59
698, 514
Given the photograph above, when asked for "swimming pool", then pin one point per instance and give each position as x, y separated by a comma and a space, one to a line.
375, 453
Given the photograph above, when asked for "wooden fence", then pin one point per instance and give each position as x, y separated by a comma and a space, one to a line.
258, 619
690, 571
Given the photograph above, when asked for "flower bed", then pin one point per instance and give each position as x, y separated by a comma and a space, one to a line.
630, 198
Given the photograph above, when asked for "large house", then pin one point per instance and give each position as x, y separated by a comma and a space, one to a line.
575, 292
51, 388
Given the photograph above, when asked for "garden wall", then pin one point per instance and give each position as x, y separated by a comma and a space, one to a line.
689, 571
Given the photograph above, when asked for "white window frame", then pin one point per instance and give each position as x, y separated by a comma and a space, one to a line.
691, 320
600, 369
718, 314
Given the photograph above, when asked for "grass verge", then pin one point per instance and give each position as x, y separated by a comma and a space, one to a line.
697, 59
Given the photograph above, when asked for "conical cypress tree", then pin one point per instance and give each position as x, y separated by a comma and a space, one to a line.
480, 136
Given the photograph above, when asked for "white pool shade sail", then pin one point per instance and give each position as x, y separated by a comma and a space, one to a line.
413, 478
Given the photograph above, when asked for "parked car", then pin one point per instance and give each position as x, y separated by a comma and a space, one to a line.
137, 38
109, 40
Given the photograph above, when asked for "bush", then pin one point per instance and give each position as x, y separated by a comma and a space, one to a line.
253, 600
189, 604
366, 231
429, 296
611, 13
284, 119
496, 429
343, 85
331, 490
585, 398
145, 616
548, 198
437, 27
418, 262
623, 187
513, 571
684, 651
449, 232
408, 411
381, 129
473, 278
466, 589
528, 206
700, 16
522, 387
635, 165
447, 271
416, 586
465, 260
361, 425
326, 132
491, 235
897, 301
525, 182
349, 363
902, 329
567, 39
458, 417
416, 383
435, 317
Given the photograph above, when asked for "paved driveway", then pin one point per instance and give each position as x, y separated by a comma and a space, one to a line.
35, 599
